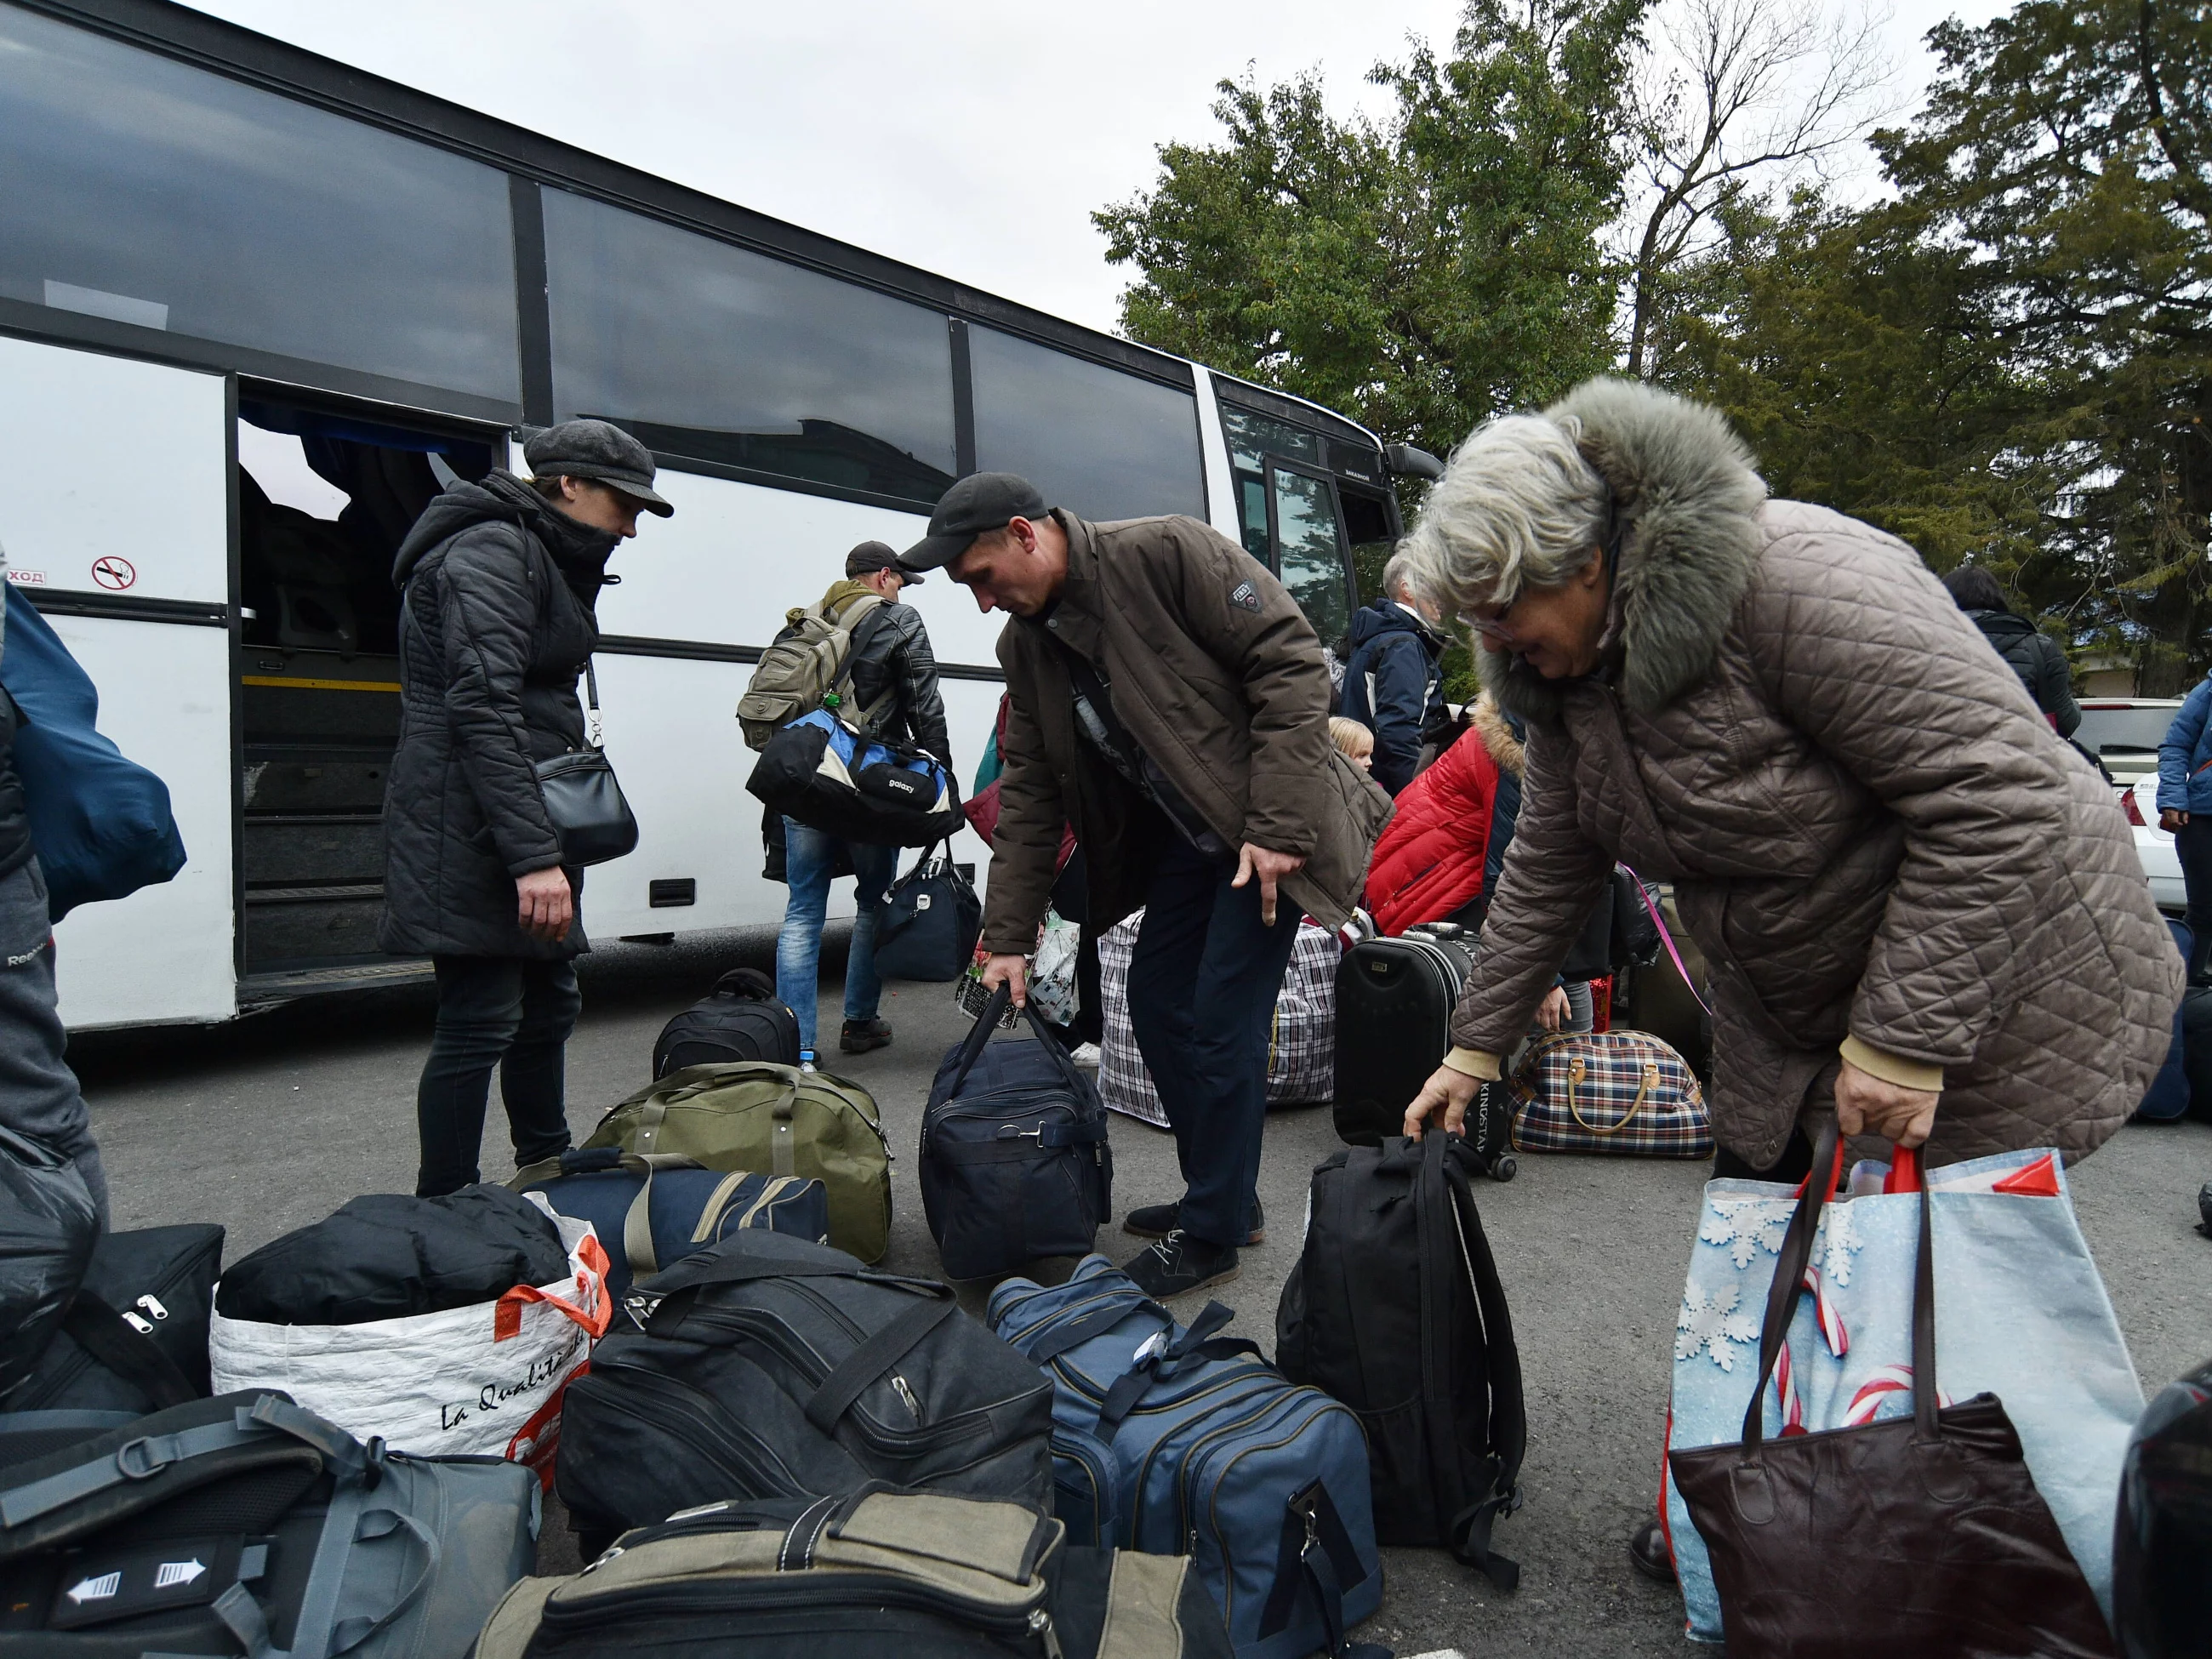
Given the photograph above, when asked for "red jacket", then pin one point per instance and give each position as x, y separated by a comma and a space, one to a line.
1429, 861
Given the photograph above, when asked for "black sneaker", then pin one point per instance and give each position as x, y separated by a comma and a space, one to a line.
1158, 1220
1179, 1265
861, 1035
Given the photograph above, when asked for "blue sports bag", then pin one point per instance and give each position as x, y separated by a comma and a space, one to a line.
101, 824
1175, 1441
856, 786
652, 1210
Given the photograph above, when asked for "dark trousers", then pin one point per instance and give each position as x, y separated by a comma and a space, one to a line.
1202, 984
2192, 844
502, 1011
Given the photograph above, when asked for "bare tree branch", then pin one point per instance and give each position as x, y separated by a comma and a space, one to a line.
1760, 94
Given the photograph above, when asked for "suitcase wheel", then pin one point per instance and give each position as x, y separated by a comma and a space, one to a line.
1505, 1168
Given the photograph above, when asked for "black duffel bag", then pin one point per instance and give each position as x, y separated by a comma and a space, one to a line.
856, 785
772, 1367
929, 922
740, 1020
135, 1338
1015, 1164
47, 1228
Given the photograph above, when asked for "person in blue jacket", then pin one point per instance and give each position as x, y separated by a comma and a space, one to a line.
2184, 811
1392, 685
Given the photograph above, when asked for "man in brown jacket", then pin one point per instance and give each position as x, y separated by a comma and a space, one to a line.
1168, 698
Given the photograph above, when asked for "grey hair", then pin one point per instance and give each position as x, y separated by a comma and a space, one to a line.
1403, 576
1518, 506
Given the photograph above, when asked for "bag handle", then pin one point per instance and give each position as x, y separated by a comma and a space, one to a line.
1790, 1262
1666, 938
1575, 1068
748, 983
971, 1048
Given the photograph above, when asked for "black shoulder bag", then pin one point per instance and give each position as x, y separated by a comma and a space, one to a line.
582, 797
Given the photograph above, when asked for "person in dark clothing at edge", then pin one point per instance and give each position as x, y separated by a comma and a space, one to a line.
1392, 685
500, 579
894, 681
39, 1098
1168, 699
2027, 650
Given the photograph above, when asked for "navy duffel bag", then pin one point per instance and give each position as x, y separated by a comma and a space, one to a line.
1014, 1159
1175, 1441
652, 1210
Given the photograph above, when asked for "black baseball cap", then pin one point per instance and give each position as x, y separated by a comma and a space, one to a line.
980, 502
600, 451
877, 555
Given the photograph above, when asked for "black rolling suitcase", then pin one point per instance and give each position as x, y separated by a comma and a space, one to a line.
740, 1021
1395, 998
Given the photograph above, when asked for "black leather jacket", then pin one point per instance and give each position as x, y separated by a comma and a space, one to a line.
891, 647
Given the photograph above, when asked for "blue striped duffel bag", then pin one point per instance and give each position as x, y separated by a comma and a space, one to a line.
1175, 1440
653, 1209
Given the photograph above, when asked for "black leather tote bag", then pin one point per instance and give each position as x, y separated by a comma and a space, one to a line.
583, 798
1918, 1538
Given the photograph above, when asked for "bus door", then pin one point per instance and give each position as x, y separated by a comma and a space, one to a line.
325, 495
117, 526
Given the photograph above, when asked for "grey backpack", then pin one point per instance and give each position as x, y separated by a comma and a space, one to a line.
247, 1524
809, 660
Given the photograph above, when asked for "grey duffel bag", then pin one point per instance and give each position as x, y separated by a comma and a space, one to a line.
247, 1524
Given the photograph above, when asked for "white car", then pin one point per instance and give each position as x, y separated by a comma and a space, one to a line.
2139, 800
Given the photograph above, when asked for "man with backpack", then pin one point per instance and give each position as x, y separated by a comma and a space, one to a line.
892, 689
1168, 699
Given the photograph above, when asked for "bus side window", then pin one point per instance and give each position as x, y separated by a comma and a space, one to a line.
1311, 553
1367, 528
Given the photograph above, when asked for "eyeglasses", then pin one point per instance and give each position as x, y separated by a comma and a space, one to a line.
1490, 620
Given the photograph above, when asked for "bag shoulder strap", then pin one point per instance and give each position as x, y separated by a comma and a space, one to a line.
1468, 1531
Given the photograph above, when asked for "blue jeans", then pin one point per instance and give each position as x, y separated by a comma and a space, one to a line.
1203, 980
808, 856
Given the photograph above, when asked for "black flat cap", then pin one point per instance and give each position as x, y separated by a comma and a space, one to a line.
980, 502
877, 555
602, 451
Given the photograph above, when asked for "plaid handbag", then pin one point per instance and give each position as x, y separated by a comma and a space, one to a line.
1615, 1091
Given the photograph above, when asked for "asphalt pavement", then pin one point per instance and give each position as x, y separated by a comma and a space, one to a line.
271, 1122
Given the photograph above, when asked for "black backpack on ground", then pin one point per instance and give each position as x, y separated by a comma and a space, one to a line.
1426, 1358
248, 1524
771, 1367
1015, 1164
1395, 998
389, 1256
135, 1338
2162, 1537
740, 1020
873, 1574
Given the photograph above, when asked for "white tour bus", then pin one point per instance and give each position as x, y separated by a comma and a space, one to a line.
257, 306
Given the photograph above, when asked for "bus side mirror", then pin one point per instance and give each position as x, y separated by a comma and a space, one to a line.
1406, 461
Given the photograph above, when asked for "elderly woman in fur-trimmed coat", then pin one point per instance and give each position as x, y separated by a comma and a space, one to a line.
1921, 910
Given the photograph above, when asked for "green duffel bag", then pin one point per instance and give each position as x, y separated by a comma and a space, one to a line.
766, 1119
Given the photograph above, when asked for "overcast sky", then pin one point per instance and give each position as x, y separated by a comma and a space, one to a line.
972, 137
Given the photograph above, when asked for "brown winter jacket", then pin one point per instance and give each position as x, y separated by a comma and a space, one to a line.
1219, 678
1874, 836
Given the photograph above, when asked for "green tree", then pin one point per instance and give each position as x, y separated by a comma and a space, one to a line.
1421, 273
2012, 360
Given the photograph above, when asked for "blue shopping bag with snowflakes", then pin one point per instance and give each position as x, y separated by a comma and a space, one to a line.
2020, 1313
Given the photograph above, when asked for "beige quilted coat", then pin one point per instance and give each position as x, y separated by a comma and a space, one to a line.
1871, 831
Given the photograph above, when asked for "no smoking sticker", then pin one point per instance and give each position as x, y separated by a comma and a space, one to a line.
112, 572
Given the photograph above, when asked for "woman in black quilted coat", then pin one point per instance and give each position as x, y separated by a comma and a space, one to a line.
500, 579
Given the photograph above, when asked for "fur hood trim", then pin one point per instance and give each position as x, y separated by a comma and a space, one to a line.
1496, 736
1686, 498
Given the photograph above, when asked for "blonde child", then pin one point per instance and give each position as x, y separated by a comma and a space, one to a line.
1356, 741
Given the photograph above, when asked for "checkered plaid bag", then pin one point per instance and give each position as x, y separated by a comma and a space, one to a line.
1301, 1048
1616, 1091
